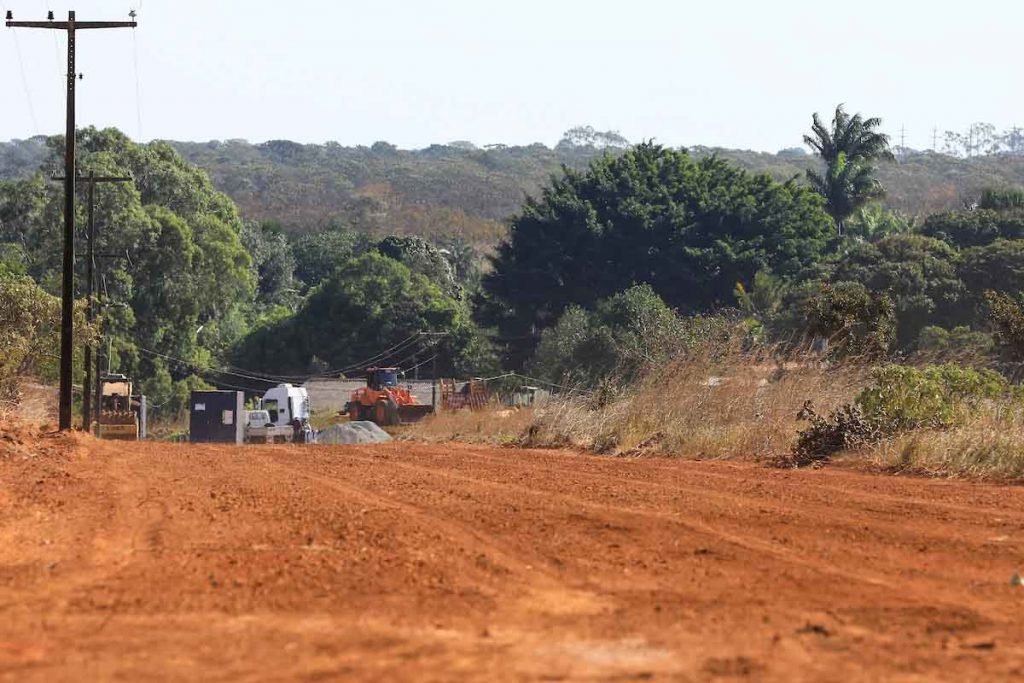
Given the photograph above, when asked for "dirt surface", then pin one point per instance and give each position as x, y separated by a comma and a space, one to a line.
403, 562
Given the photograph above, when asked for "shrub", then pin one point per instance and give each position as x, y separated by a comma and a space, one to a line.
845, 428
623, 336
902, 398
1002, 199
1006, 314
857, 322
967, 346
30, 335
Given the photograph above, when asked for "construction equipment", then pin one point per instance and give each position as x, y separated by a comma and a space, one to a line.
472, 395
118, 416
384, 401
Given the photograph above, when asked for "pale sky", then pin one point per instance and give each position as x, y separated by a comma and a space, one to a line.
732, 73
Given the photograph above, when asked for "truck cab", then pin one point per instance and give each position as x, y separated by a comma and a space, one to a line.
287, 405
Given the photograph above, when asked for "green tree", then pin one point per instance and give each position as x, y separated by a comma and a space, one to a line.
465, 259
765, 298
997, 266
873, 222
369, 304
424, 258
319, 254
853, 320
273, 263
1002, 199
624, 336
920, 276
690, 229
1006, 315
848, 150
975, 228
30, 335
182, 266
961, 344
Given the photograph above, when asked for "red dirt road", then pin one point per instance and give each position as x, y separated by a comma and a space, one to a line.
405, 562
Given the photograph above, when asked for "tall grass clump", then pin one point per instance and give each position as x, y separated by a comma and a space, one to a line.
715, 401
493, 425
990, 446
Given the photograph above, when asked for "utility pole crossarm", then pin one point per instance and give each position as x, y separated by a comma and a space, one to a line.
76, 25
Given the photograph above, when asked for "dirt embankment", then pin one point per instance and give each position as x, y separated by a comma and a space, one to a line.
404, 562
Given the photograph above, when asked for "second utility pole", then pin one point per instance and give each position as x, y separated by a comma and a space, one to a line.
67, 308
90, 311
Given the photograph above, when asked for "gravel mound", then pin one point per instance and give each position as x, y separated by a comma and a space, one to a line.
353, 432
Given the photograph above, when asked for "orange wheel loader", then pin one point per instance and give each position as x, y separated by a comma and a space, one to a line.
384, 401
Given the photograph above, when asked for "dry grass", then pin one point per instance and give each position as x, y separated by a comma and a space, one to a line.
36, 404
717, 405
492, 425
713, 406
990, 446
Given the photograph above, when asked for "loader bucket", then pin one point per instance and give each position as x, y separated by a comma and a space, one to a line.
414, 413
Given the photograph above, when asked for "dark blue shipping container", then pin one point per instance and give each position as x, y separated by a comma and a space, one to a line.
216, 417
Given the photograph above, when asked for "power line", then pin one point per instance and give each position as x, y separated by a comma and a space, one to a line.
384, 355
420, 365
201, 368
404, 344
242, 373
402, 362
24, 79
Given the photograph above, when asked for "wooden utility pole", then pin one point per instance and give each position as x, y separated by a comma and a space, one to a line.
68, 275
90, 311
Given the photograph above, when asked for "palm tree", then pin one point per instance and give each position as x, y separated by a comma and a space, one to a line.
847, 149
846, 186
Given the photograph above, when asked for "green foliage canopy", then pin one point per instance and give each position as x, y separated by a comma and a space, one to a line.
368, 304
183, 267
690, 229
919, 274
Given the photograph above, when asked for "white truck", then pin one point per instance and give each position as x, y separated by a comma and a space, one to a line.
288, 406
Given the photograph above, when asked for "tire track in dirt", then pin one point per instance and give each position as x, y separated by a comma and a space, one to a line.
934, 592
536, 587
632, 469
992, 536
750, 543
457, 532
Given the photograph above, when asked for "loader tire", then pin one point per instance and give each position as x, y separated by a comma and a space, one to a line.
380, 413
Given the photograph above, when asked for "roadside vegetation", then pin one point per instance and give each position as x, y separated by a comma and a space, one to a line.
676, 301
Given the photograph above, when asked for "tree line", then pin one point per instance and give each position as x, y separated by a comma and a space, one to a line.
463, 190
707, 246
643, 252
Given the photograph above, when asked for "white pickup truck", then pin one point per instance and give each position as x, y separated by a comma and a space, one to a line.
260, 429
